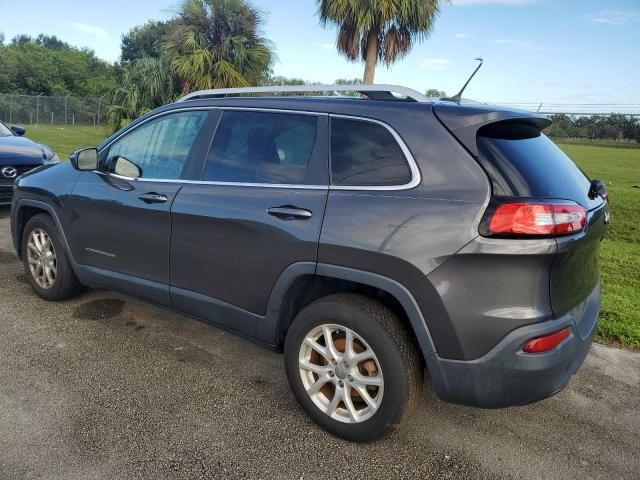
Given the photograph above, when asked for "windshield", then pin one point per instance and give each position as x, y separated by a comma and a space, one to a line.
4, 130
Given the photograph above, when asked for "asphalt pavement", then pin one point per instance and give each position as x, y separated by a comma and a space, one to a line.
107, 387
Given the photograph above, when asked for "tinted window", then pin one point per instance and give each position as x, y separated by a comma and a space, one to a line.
262, 147
365, 153
159, 148
525, 163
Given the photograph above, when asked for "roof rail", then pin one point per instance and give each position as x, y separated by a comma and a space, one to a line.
373, 92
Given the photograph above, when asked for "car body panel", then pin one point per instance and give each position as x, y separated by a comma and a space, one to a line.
227, 246
18, 155
112, 228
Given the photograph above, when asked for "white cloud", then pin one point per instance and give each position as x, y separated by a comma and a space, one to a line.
615, 17
462, 35
435, 63
464, 3
324, 46
99, 33
515, 42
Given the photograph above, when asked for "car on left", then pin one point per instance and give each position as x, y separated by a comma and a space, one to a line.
19, 155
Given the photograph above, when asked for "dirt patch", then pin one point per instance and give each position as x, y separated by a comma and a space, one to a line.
100, 309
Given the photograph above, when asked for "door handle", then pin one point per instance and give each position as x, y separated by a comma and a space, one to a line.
153, 197
289, 212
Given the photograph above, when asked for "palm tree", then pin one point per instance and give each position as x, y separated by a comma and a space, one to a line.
378, 30
146, 84
217, 44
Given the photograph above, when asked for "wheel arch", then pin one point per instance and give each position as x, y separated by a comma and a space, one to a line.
26, 209
301, 285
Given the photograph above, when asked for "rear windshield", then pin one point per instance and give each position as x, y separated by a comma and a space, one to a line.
522, 162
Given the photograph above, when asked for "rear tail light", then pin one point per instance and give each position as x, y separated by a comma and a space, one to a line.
536, 218
545, 343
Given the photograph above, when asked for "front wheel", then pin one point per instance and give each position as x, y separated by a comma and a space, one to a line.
45, 260
352, 366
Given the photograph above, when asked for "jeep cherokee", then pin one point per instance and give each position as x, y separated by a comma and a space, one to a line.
369, 238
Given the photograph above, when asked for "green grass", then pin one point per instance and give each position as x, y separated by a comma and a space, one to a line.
619, 168
65, 140
620, 254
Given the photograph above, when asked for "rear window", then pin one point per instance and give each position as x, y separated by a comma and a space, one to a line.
522, 162
366, 154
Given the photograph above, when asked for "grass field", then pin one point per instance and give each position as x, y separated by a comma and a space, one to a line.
619, 168
65, 140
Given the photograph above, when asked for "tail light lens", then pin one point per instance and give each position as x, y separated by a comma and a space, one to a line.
533, 218
545, 343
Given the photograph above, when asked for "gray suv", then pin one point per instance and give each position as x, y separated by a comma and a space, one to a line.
369, 238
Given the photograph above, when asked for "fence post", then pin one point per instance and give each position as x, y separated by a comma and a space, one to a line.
99, 105
38, 108
66, 101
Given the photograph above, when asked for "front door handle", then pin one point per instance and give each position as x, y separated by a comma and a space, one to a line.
153, 197
289, 212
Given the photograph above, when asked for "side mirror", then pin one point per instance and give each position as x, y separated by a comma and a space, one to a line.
86, 159
19, 131
126, 168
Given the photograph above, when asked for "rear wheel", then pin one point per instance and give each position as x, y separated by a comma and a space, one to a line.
352, 366
45, 260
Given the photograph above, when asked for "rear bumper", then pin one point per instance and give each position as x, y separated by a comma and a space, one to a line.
506, 376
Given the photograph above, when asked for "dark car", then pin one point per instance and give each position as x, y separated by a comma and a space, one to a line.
18, 155
368, 238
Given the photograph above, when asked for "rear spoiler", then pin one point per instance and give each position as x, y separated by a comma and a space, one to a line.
464, 121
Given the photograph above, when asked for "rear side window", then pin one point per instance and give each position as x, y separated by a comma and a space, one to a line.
366, 154
262, 147
522, 162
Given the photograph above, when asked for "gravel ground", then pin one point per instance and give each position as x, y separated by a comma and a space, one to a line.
105, 386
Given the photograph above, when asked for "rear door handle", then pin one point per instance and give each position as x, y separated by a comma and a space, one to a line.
153, 197
289, 212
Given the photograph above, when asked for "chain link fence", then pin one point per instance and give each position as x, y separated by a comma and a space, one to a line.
52, 110
600, 124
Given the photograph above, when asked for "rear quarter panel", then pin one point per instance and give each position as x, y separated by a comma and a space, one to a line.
406, 234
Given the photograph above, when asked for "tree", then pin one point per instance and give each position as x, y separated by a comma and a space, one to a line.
51, 42
216, 44
435, 93
143, 41
48, 65
146, 84
378, 30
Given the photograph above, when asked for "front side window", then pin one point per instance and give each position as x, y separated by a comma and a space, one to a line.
366, 154
262, 147
158, 149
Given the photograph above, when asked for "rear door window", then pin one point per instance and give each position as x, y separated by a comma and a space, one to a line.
522, 162
364, 153
262, 147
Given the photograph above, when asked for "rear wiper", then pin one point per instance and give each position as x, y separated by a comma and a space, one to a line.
597, 189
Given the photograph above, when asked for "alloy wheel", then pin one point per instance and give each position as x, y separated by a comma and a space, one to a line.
341, 373
41, 256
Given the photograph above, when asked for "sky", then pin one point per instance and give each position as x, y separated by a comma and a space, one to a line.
562, 51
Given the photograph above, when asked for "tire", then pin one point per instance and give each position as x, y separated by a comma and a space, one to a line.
65, 284
376, 330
